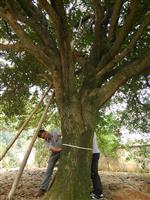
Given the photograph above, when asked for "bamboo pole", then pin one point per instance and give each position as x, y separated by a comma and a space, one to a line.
23, 126
22, 166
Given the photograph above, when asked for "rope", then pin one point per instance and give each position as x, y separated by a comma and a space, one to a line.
77, 147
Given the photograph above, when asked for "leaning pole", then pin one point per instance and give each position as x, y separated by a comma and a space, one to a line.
23, 126
23, 164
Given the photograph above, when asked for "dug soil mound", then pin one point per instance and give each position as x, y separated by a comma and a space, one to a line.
117, 186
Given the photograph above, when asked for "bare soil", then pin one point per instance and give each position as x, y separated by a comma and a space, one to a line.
112, 183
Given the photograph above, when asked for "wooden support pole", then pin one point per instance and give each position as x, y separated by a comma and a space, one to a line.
23, 164
23, 126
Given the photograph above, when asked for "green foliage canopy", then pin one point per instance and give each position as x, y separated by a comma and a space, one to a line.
129, 40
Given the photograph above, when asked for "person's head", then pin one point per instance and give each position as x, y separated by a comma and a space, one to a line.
43, 134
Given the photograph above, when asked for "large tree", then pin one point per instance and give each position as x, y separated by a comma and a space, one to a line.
87, 50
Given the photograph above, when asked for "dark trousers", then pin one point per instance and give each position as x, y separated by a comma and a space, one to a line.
97, 185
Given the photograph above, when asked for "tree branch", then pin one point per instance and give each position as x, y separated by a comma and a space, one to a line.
56, 10
120, 37
38, 22
98, 16
47, 78
15, 47
64, 44
82, 21
126, 27
26, 41
50, 11
114, 19
122, 76
126, 51
97, 46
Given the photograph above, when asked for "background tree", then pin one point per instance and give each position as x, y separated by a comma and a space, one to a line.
88, 50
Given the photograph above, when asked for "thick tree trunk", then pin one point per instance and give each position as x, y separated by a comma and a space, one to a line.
73, 180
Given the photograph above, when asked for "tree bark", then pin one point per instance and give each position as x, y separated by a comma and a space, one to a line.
74, 171
74, 164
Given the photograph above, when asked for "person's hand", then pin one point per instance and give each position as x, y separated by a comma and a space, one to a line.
56, 149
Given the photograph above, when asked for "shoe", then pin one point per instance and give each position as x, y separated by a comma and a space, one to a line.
40, 193
94, 196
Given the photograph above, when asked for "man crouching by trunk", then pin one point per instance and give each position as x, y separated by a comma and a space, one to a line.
53, 142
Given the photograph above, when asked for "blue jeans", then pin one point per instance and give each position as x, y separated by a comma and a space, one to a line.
97, 185
48, 174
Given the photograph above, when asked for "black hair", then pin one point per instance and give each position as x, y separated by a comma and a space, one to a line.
40, 132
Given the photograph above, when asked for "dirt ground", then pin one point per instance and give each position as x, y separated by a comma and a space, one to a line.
112, 184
